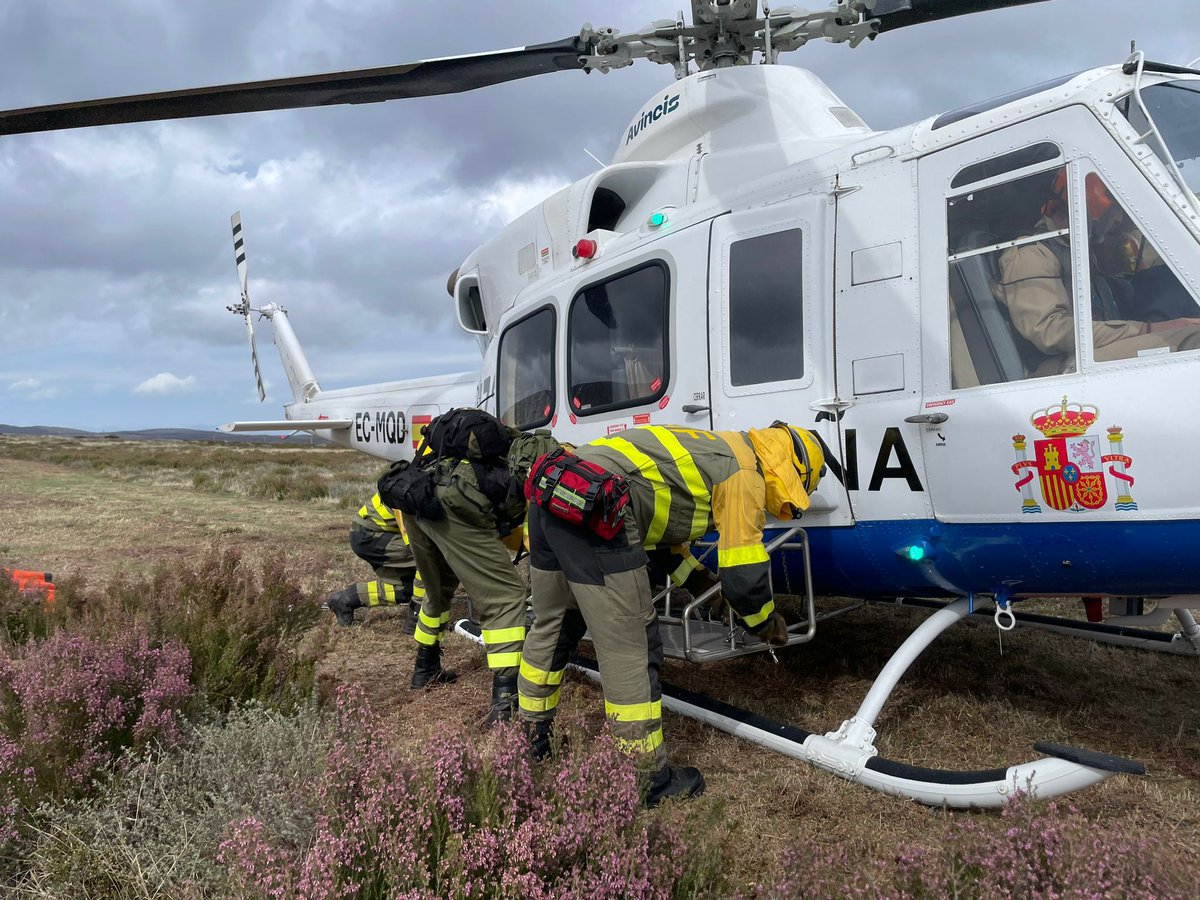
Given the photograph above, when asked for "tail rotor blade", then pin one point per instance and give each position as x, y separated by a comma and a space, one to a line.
239, 252
262, 393
239, 255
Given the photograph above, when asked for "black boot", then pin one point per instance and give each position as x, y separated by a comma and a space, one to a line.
407, 579
541, 738
504, 699
343, 604
428, 671
410, 620
667, 782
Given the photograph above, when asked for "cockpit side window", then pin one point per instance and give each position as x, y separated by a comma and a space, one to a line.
1175, 109
1139, 307
617, 341
525, 381
1010, 273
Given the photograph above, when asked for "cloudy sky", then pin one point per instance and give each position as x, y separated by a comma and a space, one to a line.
115, 255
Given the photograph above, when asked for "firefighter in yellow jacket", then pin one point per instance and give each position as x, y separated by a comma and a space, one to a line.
378, 537
683, 483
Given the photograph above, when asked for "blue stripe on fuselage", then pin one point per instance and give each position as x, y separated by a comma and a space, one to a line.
1127, 558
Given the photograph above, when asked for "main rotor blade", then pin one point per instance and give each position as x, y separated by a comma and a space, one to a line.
893, 14
418, 79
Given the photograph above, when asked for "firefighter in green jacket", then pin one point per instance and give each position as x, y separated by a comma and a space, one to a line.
473, 545
683, 483
378, 537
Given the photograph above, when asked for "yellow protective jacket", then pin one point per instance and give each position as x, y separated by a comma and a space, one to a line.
684, 483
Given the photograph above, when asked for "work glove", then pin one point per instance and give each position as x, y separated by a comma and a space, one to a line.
773, 631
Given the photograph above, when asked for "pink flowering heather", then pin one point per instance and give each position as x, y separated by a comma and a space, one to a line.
464, 821
73, 703
15, 783
1034, 852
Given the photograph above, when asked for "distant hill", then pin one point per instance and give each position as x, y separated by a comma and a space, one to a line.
162, 434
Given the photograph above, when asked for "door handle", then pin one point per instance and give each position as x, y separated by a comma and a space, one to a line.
927, 419
690, 408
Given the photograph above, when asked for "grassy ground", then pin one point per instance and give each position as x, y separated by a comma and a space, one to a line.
97, 508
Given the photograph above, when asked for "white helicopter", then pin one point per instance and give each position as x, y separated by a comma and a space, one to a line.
755, 251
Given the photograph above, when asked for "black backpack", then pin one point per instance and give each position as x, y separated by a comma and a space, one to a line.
470, 434
409, 487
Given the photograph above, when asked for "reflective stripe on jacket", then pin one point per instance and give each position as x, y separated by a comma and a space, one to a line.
683, 483
377, 515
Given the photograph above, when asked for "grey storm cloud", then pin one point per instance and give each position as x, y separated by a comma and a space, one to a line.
115, 255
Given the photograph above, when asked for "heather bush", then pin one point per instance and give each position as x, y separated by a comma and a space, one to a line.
153, 830
24, 615
464, 821
240, 623
1037, 851
70, 705
75, 702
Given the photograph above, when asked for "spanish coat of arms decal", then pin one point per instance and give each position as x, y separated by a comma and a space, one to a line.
1076, 471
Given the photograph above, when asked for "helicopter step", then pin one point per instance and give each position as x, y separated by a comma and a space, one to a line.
690, 633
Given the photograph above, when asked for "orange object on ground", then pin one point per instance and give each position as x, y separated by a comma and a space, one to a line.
42, 582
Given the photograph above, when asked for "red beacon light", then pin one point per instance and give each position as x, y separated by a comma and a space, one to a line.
585, 248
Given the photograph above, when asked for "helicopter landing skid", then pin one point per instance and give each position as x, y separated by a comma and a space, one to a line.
1127, 631
850, 753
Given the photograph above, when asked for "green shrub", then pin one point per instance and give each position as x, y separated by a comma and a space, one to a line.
153, 830
284, 484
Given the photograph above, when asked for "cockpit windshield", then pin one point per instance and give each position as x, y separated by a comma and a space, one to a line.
1175, 108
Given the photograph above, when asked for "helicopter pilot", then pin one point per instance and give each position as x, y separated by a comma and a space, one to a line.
1036, 288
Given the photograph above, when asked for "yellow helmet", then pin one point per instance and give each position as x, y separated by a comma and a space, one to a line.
807, 455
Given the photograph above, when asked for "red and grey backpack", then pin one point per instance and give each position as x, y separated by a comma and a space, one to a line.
579, 492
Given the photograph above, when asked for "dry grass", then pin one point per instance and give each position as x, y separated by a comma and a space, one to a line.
963, 705
102, 507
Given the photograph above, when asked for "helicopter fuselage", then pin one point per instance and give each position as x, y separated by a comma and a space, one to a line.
756, 253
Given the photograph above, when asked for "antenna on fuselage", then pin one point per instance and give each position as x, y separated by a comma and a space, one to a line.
593, 156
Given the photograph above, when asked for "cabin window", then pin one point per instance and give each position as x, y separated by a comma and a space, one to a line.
1010, 267
1139, 307
525, 384
1008, 162
616, 336
766, 308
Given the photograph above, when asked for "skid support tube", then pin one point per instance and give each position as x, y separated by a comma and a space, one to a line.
1063, 771
1185, 642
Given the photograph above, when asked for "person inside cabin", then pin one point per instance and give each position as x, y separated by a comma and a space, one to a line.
1150, 290
1035, 281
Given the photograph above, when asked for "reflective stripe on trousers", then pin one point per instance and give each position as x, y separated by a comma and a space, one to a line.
429, 629
581, 582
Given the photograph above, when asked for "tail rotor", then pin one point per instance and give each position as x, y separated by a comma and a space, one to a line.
243, 308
